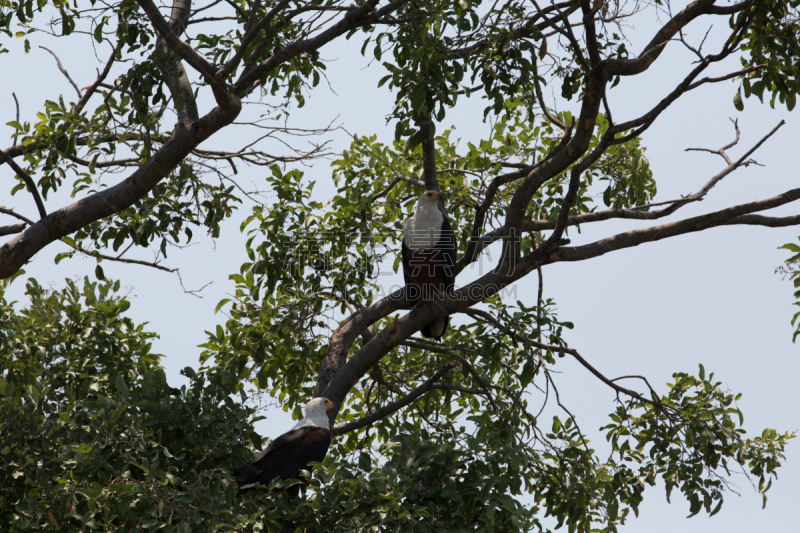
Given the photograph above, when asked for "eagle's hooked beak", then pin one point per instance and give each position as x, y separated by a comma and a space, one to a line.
329, 404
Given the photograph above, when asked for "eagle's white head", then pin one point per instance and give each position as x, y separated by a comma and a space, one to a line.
316, 413
428, 200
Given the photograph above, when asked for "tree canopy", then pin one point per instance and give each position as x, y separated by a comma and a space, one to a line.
429, 436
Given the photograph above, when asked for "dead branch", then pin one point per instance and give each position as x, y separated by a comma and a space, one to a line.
734, 142
12, 229
636, 212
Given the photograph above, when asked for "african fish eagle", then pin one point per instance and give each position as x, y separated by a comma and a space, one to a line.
429, 257
290, 453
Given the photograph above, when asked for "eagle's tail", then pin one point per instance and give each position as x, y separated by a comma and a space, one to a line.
246, 476
436, 329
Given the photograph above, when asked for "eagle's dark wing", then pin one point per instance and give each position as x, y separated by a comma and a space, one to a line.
405, 256
447, 245
286, 456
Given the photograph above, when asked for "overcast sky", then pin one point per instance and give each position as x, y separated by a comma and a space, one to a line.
709, 297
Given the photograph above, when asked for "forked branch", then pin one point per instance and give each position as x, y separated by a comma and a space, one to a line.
396, 405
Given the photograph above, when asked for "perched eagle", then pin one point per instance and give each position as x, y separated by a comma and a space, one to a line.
429, 257
290, 453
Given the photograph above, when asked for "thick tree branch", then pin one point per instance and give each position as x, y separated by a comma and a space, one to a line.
177, 80
363, 15
248, 38
592, 45
14, 253
429, 165
651, 52
349, 330
730, 216
168, 33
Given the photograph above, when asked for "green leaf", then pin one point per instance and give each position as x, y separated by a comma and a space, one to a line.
527, 373
98, 33
122, 387
737, 100
221, 304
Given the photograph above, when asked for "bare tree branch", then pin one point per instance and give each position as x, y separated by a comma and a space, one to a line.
16, 215
636, 213
731, 216
118, 259
29, 182
12, 229
63, 71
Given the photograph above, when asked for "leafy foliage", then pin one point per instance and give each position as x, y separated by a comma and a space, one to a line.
279, 329
92, 434
775, 42
93, 437
794, 274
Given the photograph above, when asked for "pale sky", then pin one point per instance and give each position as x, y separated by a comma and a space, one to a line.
709, 297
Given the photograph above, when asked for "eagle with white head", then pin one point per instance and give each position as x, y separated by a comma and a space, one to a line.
429, 257
290, 453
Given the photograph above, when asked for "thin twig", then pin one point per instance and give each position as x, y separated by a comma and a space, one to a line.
63, 70
574, 353
14, 214
29, 182
558, 400
721, 151
96, 254
454, 355
396, 405
14, 138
